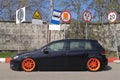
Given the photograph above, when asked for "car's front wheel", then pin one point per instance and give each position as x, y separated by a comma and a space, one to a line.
93, 64
28, 64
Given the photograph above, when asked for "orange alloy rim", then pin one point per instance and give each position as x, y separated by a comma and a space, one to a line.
93, 64
28, 64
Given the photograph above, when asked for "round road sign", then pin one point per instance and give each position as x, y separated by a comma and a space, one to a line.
112, 16
65, 16
87, 16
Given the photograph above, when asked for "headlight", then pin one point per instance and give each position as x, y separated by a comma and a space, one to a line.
15, 57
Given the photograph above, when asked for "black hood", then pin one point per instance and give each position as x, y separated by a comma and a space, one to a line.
29, 53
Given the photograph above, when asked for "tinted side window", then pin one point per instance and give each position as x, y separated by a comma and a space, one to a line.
77, 45
88, 46
58, 46
97, 46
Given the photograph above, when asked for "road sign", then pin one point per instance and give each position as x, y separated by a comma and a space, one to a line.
65, 16
56, 17
54, 27
37, 21
20, 15
112, 16
37, 15
87, 16
37, 18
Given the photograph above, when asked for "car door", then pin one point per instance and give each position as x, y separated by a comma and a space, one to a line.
76, 54
55, 56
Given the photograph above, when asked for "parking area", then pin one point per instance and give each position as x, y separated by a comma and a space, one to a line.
112, 72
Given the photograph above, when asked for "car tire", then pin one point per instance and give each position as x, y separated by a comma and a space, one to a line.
28, 64
93, 64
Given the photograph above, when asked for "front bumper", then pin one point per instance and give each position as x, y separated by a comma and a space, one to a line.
15, 65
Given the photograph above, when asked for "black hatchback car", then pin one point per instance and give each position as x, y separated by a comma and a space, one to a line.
67, 54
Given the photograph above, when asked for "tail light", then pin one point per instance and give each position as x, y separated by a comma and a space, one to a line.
104, 52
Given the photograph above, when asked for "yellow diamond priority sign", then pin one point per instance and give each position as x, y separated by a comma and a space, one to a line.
36, 15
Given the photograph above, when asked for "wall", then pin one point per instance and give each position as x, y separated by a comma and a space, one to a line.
105, 34
32, 36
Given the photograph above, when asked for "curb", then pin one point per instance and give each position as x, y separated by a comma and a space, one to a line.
112, 59
7, 60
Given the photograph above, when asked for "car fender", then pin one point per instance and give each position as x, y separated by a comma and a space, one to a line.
95, 56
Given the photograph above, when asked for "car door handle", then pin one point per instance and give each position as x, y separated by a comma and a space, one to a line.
63, 54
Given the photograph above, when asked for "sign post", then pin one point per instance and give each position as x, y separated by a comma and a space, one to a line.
20, 17
86, 16
65, 18
37, 20
112, 17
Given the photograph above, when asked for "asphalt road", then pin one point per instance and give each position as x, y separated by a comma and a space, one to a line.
112, 72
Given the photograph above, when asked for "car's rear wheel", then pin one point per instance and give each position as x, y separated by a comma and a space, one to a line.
93, 64
28, 65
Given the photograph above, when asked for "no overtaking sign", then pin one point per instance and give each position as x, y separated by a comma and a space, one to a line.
87, 16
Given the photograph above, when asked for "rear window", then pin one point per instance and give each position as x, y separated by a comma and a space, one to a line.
80, 45
77, 45
97, 46
85, 45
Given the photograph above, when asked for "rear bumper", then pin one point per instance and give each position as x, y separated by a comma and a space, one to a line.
15, 65
104, 62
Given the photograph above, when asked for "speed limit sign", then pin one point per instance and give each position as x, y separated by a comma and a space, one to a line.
112, 16
87, 16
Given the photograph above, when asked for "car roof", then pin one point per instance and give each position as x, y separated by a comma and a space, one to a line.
78, 40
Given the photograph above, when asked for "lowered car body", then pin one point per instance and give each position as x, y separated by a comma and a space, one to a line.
67, 54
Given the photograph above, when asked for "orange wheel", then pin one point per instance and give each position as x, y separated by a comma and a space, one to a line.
93, 64
28, 64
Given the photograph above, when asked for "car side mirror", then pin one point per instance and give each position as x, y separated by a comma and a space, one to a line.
45, 50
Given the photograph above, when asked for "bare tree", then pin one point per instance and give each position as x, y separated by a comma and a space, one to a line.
102, 7
8, 8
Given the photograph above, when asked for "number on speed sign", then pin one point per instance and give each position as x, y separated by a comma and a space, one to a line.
112, 16
87, 16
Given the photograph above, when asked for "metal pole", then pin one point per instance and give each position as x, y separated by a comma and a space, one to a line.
36, 37
86, 31
19, 34
19, 14
51, 11
19, 40
65, 31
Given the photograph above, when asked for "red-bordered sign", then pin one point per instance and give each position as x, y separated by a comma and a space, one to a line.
87, 16
65, 16
112, 16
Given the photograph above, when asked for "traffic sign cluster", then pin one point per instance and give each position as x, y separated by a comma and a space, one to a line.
64, 16
58, 16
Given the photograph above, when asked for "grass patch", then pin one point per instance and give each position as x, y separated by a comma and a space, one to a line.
111, 54
7, 54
